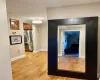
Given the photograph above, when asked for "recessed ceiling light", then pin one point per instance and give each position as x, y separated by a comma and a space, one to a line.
36, 18
36, 21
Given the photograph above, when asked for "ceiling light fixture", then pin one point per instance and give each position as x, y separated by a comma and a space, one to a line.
39, 18
36, 21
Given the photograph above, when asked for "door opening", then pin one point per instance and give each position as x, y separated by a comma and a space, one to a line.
28, 41
71, 43
28, 37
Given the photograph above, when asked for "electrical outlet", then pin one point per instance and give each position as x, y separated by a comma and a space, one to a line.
18, 51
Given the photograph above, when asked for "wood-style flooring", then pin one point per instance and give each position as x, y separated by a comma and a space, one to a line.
33, 67
71, 63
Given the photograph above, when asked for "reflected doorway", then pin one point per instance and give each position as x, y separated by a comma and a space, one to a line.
71, 48
71, 43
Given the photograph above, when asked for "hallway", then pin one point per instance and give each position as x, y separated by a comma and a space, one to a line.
33, 67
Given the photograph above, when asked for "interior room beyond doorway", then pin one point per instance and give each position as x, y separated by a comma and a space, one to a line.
71, 43
71, 48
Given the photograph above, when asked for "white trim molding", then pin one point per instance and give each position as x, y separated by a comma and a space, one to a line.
82, 56
59, 54
80, 28
18, 57
36, 51
98, 75
43, 50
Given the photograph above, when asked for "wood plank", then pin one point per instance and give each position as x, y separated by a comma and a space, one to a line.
33, 67
71, 63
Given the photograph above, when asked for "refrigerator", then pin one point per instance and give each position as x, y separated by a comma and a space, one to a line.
28, 40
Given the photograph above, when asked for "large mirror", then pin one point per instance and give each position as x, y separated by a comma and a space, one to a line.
71, 47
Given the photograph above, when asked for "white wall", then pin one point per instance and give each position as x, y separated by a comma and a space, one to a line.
44, 36
76, 11
17, 50
40, 37
36, 38
5, 62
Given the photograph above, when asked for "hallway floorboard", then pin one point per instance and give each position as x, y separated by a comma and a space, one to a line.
33, 67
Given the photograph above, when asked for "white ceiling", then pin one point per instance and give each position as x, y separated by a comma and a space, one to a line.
27, 9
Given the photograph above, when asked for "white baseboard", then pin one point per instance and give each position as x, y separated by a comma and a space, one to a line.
82, 56
36, 51
43, 50
18, 57
40, 50
79, 56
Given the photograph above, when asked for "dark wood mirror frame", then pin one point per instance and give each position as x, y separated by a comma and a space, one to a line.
91, 38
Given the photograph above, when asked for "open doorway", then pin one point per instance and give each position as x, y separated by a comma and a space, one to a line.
28, 37
71, 43
71, 47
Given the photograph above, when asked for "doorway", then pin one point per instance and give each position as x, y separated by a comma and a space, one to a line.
71, 47
78, 47
71, 43
28, 41
28, 37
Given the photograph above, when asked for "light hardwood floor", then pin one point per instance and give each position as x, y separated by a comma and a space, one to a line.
71, 63
33, 67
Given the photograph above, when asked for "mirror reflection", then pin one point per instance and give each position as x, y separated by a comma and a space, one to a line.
71, 48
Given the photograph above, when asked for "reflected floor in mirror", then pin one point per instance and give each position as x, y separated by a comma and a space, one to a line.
71, 63
34, 67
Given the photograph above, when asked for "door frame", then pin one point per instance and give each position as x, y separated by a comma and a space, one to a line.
61, 43
29, 42
62, 29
